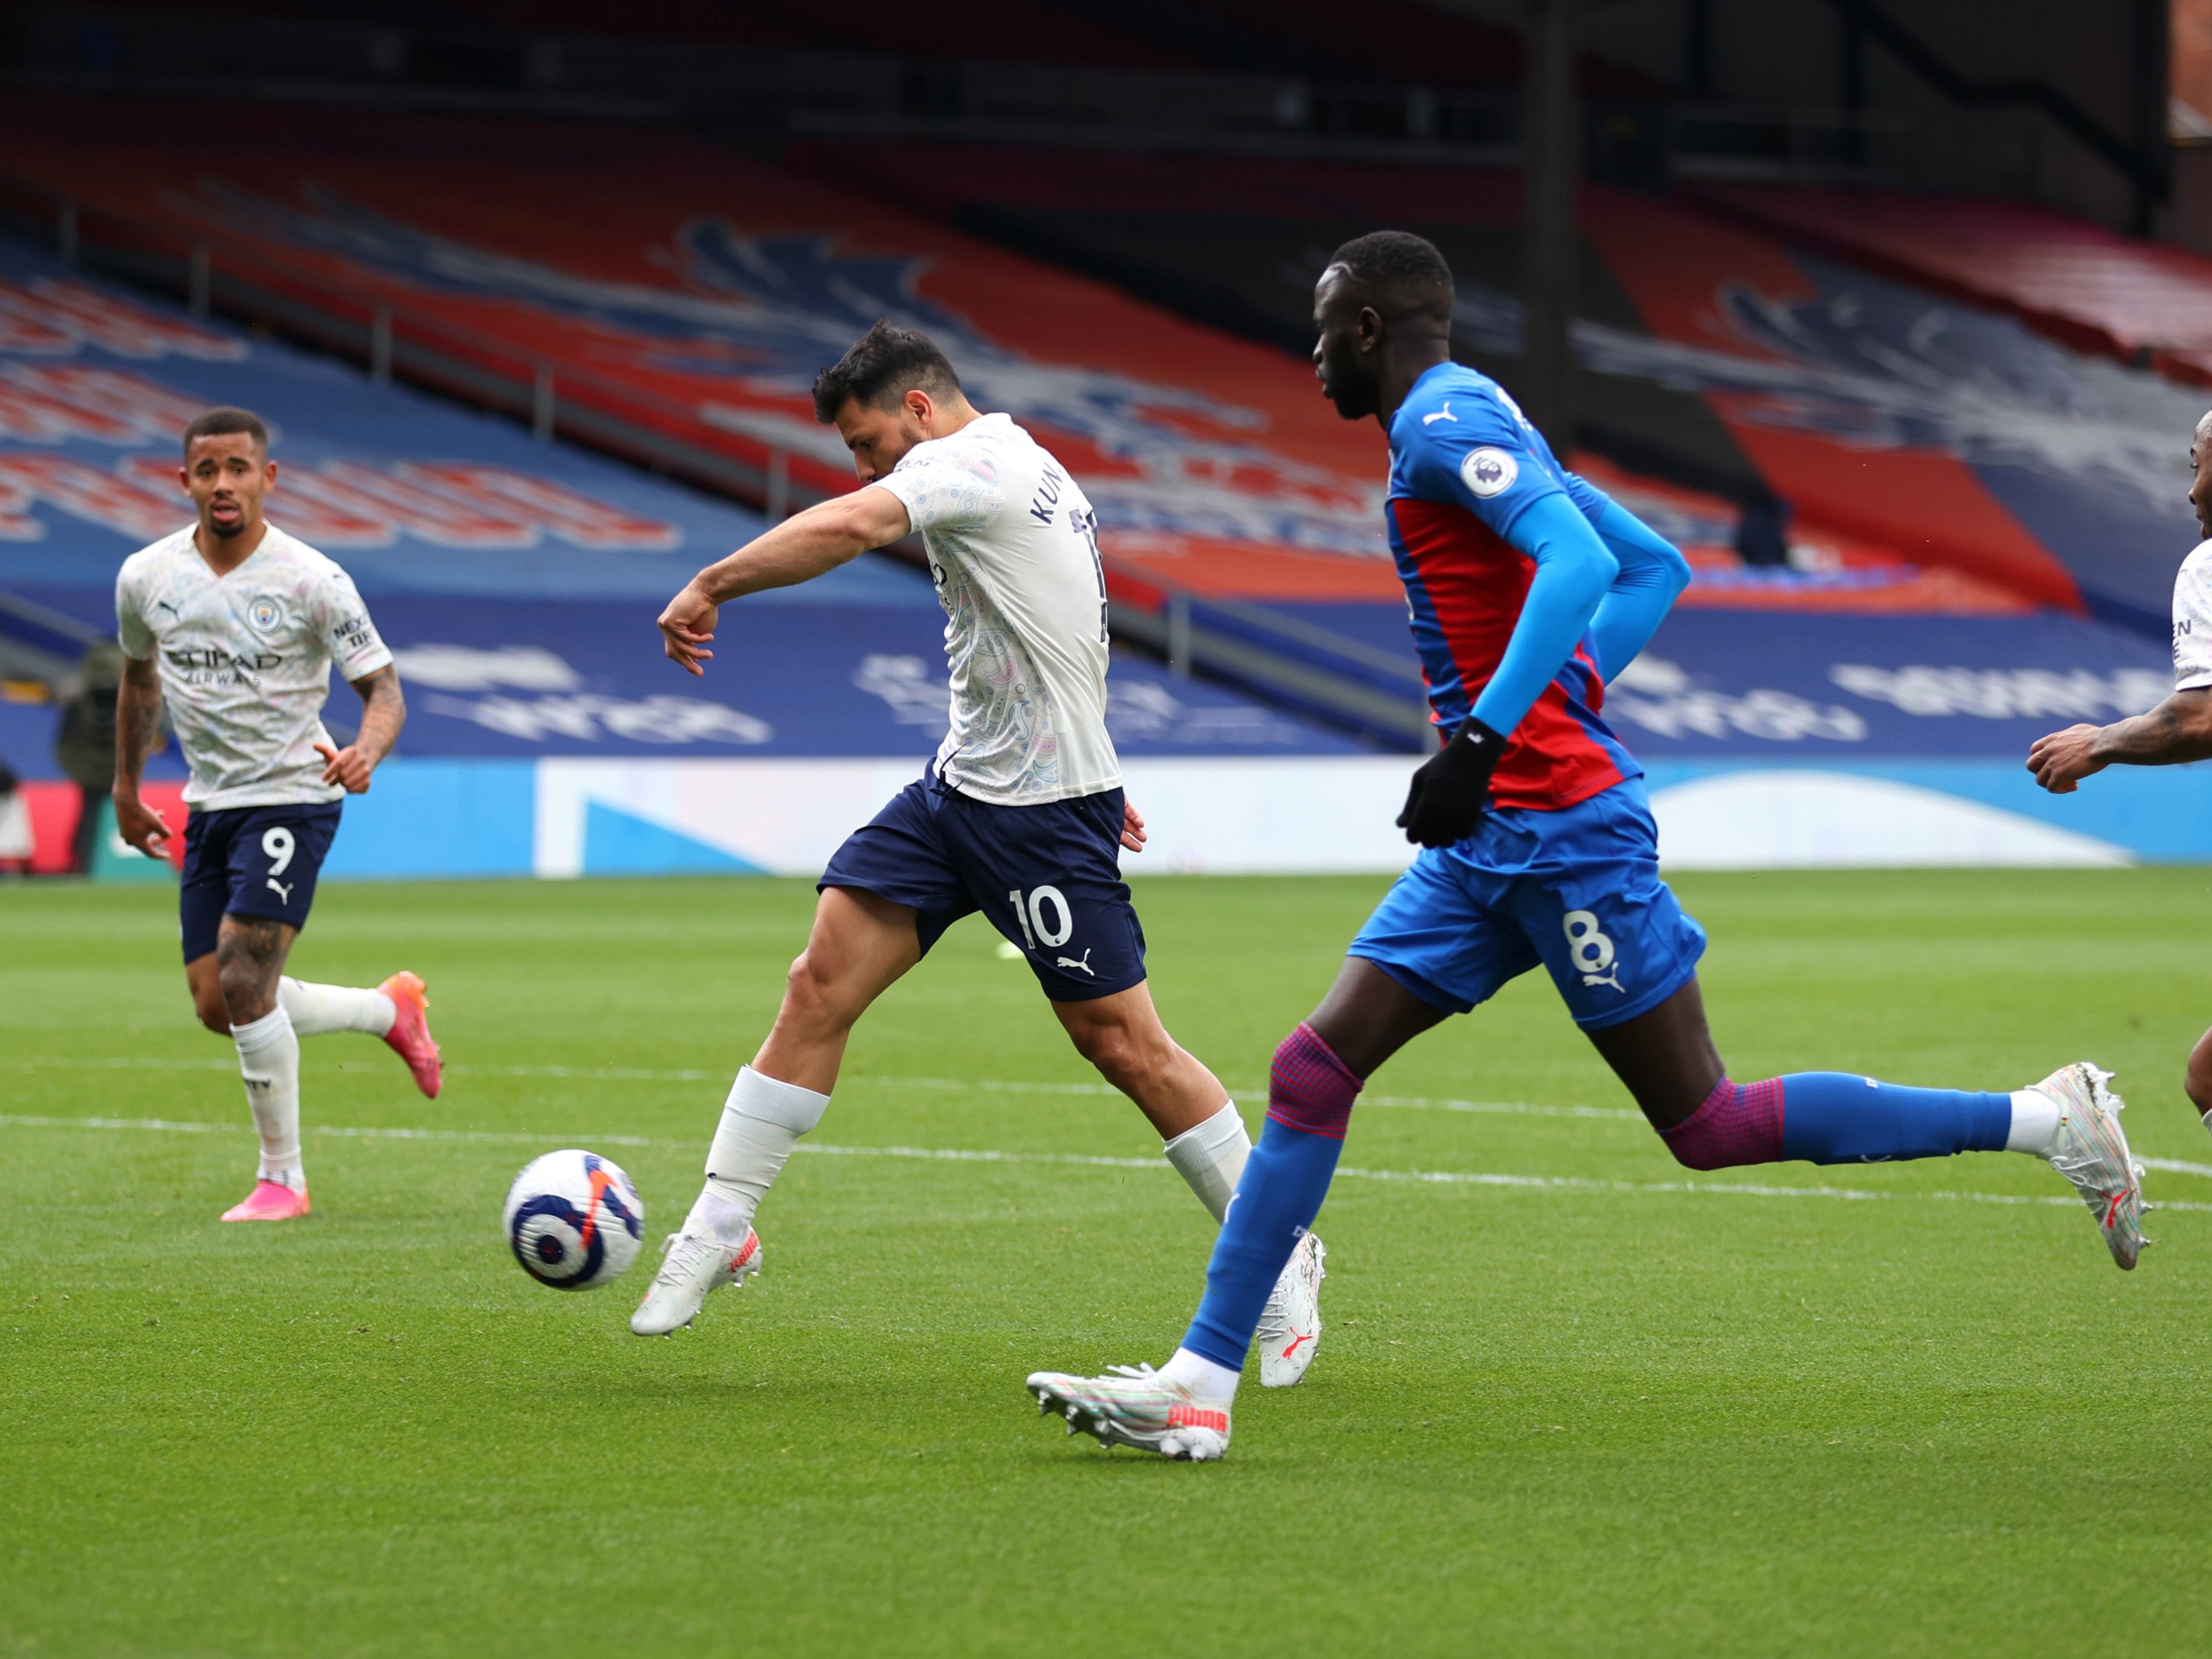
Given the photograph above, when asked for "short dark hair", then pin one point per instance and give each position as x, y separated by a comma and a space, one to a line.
880, 368
1398, 260
222, 422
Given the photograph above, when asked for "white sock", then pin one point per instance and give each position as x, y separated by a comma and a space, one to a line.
2208, 1122
269, 1059
762, 1122
315, 1010
2034, 1122
1202, 1376
1211, 1156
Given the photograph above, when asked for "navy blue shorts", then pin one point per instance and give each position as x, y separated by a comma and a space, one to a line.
1578, 890
251, 862
1049, 879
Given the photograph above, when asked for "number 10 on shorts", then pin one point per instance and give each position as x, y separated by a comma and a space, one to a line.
1042, 902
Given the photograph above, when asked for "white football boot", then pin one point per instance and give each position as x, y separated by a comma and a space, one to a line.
1289, 1325
2090, 1150
1135, 1406
691, 1265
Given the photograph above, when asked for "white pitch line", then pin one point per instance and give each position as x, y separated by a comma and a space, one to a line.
640, 1074
985, 1154
2178, 1165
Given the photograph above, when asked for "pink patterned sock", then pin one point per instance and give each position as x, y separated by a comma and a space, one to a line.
1309, 1088
1739, 1123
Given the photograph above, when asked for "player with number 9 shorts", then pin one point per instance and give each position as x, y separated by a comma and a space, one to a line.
234, 626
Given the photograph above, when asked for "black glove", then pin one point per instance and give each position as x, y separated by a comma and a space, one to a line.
1446, 800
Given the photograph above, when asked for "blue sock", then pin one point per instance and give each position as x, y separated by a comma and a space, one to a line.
1833, 1117
1284, 1180
1310, 1095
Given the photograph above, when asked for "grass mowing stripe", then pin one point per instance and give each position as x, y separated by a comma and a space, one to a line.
636, 1074
988, 1155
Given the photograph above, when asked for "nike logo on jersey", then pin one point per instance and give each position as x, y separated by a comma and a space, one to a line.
1070, 962
1443, 413
283, 890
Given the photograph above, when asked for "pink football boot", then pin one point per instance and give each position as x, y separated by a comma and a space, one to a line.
270, 1201
410, 1036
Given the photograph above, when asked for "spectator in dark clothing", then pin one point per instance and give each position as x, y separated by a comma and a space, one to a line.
84, 748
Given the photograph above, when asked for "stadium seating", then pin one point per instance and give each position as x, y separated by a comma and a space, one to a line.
694, 303
1710, 354
517, 582
2075, 281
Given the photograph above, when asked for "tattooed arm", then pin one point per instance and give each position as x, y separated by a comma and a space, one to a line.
2177, 730
383, 712
137, 734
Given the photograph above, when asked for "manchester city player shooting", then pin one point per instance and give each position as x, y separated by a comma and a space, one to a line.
1528, 589
234, 625
2178, 731
1019, 815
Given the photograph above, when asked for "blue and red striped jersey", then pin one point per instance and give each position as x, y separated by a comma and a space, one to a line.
1465, 464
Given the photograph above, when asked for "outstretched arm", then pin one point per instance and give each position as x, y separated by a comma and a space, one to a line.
801, 547
383, 712
2177, 730
137, 732
1652, 577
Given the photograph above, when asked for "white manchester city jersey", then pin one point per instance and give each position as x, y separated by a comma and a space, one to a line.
1013, 546
2192, 621
246, 661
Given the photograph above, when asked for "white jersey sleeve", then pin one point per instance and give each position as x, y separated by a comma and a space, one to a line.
946, 492
2192, 621
341, 623
131, 629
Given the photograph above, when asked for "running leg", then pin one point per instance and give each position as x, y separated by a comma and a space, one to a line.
1318, 1071
249, 958
860, 947
1667, 1059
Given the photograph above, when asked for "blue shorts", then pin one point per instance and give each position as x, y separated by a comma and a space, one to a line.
1049, 879
1578, 890
251, 862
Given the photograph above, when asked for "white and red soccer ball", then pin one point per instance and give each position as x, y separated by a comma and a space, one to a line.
575, 1220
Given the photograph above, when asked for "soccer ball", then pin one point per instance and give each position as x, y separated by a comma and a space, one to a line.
575, 1220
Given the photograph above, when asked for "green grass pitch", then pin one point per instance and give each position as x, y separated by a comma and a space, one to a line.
1617, 1416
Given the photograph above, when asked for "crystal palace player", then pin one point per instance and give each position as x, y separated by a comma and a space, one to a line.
235, 624
1019, 817
1527, 589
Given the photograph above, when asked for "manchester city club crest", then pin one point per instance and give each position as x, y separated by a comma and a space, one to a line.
265, 613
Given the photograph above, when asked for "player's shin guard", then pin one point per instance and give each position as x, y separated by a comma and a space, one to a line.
1310, 1095
1209, 1158
1834, 1117
269, 1060
761, 1126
